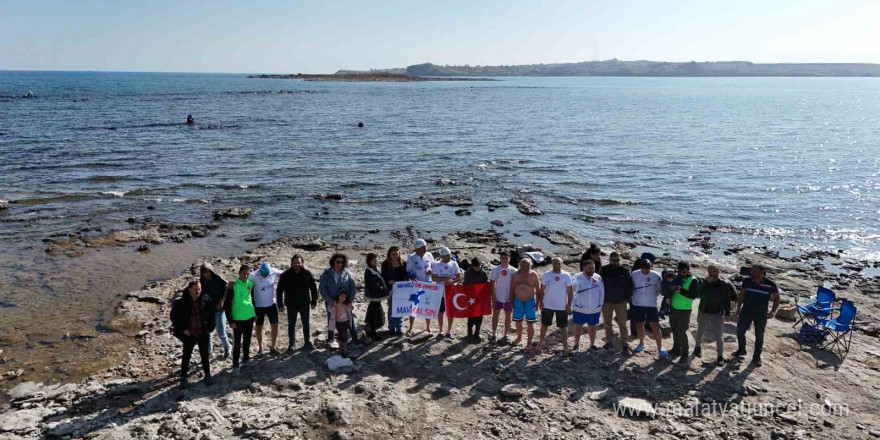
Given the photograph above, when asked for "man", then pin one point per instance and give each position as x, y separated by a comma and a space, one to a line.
475, 275
418, 268
215, 287
297, 290
751, 307
714, 306
554, 300
646, 290
525, 285
264, 303
192, 321
502, 295
587, 303
618, 290
444, 271
686, 289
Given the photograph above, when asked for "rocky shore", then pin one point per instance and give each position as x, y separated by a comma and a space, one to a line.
364, 77
420, 388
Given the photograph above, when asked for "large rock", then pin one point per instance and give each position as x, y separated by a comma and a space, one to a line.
526, 207
24, 421
234, 212
4, 204
514, 391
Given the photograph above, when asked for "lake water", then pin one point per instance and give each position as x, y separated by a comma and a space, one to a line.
786, 162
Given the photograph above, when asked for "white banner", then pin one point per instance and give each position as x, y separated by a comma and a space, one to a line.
416, 299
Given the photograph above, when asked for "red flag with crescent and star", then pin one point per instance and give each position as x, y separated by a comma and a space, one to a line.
468, 300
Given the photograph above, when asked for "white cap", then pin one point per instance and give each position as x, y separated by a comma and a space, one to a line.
421, 243
444, 251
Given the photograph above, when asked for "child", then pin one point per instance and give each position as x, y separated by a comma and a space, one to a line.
341, 317
667, 286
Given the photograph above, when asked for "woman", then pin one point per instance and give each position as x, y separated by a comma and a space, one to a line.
192, 321
241, 315
376, 290
335, 278
593, 253
475, 275
393, 270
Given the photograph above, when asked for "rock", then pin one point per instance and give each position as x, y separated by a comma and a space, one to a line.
875, 434
142, 334
445, 182
4, 204
497, 204
526, 207
336, 197
462, 212
144, 248
23, 421
337, 362
283, 382
633, 407
599, 395
789, 418
9, 375
253, 237
305, 243
513, 391
497, 222
787, 312
233, 212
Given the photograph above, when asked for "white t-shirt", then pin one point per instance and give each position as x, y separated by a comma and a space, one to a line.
555, 292
444, 270
502, 276
264, 288
646, 289
589, 294
419, 267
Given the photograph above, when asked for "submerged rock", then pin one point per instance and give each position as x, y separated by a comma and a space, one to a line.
526, 207
4, 204
233, 212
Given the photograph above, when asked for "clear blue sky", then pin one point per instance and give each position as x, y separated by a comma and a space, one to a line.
323, 36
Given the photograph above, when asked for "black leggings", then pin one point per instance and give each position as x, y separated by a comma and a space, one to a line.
189, 343
473, 325
241, 335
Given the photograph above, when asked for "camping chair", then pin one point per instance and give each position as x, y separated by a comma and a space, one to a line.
813, 311
839, 329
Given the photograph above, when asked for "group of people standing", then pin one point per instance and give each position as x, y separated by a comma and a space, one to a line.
611, 292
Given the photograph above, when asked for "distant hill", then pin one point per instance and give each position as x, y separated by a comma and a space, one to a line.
616, 67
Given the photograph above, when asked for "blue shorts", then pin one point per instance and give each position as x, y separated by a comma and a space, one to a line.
644, 314
585, 318
524, 309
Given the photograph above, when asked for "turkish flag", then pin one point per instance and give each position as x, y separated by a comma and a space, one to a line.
469, 300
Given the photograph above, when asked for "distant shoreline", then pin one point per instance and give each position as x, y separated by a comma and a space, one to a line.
366, 77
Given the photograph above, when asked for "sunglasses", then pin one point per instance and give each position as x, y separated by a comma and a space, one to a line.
339, 262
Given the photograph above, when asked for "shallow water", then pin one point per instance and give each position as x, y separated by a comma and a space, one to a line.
785, 162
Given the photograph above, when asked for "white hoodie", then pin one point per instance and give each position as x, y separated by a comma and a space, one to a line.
589, 294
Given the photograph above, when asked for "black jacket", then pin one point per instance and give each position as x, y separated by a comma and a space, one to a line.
715, 296
618, 284
215, 288
296, 289
374, 285
181, 311
392, 274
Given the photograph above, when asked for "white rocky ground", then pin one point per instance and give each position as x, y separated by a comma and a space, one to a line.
420, 388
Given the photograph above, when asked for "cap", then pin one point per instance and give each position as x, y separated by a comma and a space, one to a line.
444, 251
421, 243
265, 269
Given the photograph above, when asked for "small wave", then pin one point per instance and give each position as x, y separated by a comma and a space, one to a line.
604, 202
105, 178
216, 127
115, 193
52, 199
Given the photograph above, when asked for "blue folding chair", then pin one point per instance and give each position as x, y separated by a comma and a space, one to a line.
839, 329
813, 311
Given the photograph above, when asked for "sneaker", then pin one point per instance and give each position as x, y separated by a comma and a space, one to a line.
208, 381
439, 336
184, 383
594, 348
576, 348
273, 352
720, 360
493, 339
504, 341
290, 350
674, 352
245, 362
608, 346
624, 350
334, 345
259, 351
739, 354
448, 335
756, 362
308, 346
683, 360
235, 371
639, 348
698, 352
663, 354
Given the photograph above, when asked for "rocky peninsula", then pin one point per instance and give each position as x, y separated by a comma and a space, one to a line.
364, 77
